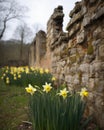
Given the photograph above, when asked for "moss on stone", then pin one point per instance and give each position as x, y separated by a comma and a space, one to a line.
90, 49
80, 76
64, 52
73, 59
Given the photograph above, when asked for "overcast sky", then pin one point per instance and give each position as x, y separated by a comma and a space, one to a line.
41, 10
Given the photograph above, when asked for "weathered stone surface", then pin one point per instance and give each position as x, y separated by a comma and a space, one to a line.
58, 14
99, 13
91, 84
92, 1
97, 33
84, 68
86, 20
76, 9
81, 37
69, 78
100, 87
73, 51
76, 80
74, 30
74, 20
96, 43
101, 51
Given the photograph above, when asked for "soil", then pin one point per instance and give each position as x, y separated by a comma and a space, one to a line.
25, 126
28, 126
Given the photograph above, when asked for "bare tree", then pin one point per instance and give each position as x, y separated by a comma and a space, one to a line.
9, 10
24, 34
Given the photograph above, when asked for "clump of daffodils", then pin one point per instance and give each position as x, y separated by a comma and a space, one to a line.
62, 93
24, 75
56, 105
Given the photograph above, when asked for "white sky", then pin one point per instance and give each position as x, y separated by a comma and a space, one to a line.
41, 10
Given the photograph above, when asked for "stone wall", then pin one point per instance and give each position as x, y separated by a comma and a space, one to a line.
77, 57
37, 49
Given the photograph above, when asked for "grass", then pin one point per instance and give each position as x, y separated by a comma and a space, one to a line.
13, 107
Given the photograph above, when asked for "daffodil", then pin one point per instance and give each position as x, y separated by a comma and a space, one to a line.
27, 70
2, 77
63, 93
41, 71
7, 80
46, 70
84, 93
19, 76
53, 78
4, 74
30, 89
47, 87
15, 78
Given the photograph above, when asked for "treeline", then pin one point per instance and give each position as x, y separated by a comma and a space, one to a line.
10, 53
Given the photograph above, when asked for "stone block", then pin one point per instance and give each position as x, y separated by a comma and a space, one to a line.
73, 69
76, 79
76, 9
73, 51
86, 20
96, 42
67, 70
69, 78
85, 80
91, 84
99, 13
101, 51
97, 66
81, 37
74, 30
77, 17
84, 68
100, 87
62, 63
97, 33
92, 1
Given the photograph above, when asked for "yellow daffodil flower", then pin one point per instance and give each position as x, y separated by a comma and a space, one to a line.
41, 71
15, 78
2, 77
46, 71
4, 74
6, 71
47, 87
84, 93
63, 93
27, 70
19, 76
53, 78
30, 89
7, 80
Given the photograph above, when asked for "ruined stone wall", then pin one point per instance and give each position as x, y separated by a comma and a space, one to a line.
37, 49
77, 57
32, 53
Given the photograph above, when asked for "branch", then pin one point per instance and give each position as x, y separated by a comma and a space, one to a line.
2, 32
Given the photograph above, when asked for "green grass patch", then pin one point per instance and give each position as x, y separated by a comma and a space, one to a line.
13, 107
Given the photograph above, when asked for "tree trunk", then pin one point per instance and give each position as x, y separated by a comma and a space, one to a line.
3, 30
